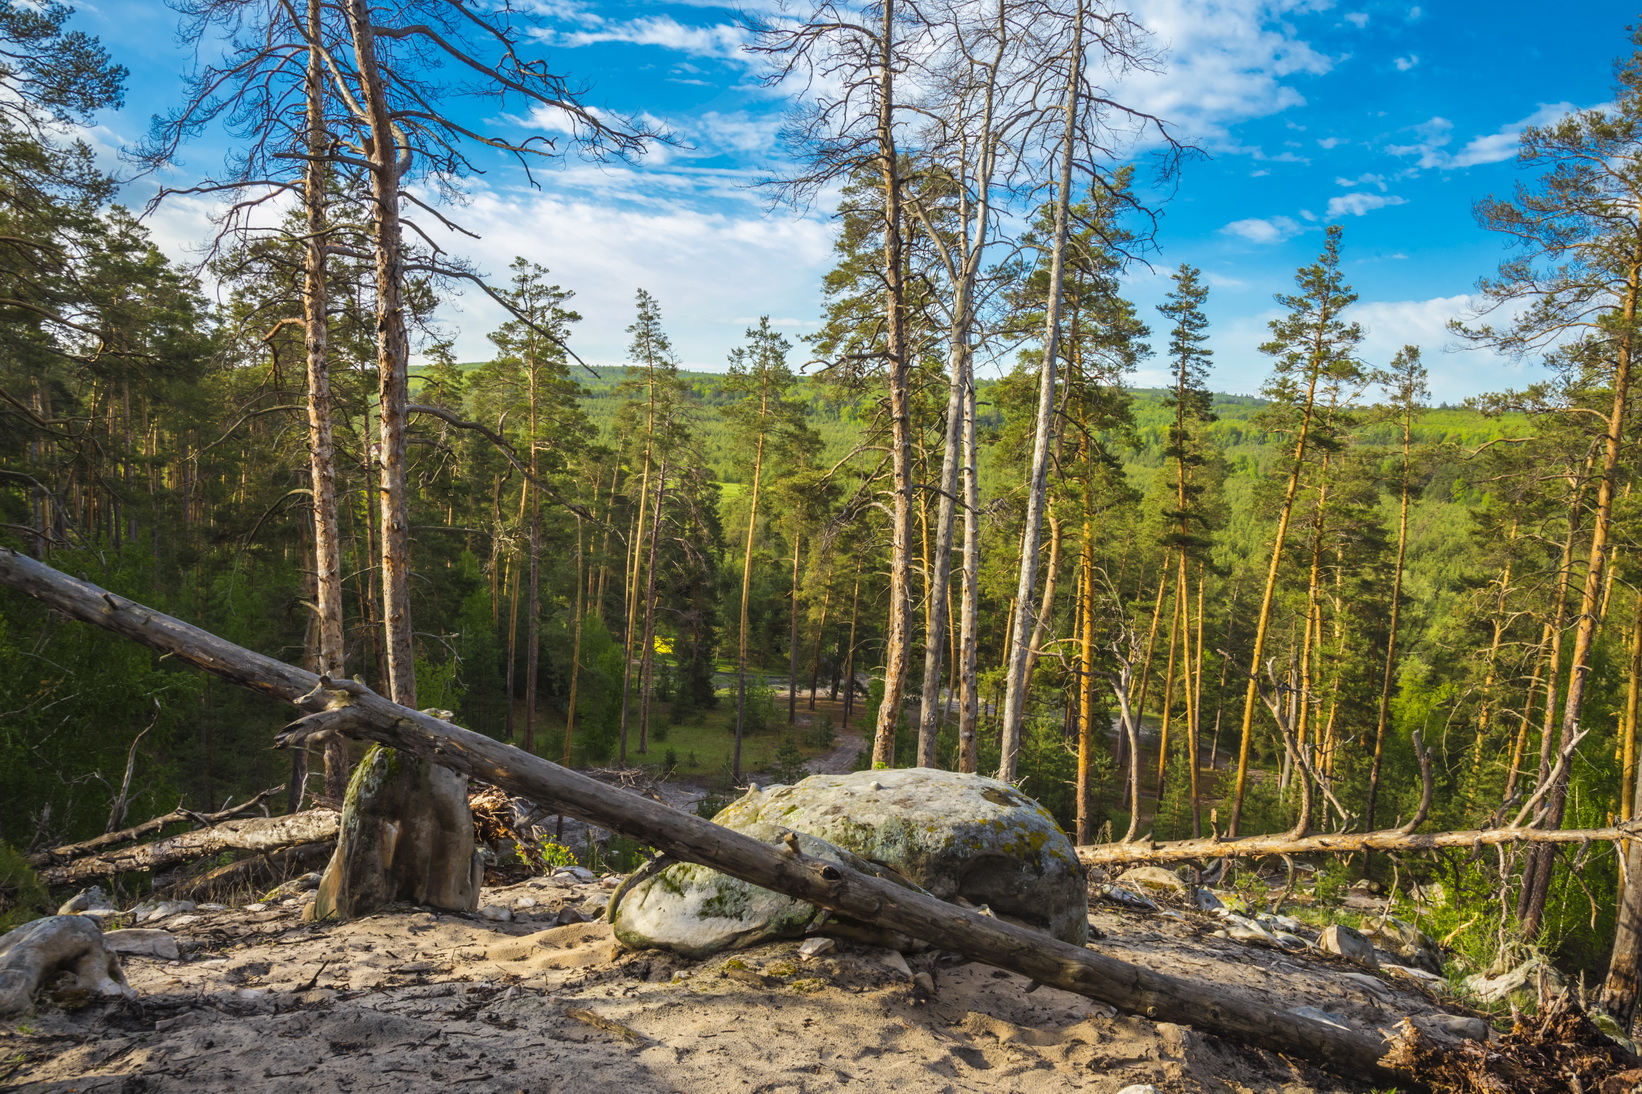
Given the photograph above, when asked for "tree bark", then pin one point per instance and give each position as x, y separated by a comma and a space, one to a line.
329, 657
898, 628
1016, 682
353, 709
406, 832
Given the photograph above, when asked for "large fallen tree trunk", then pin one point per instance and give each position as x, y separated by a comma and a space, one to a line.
249, 834
352, 709
1339, 843
147, 828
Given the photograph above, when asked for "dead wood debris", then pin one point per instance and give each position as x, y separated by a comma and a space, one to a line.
1558, 1051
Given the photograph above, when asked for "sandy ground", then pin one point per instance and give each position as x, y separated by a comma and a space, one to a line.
415, 1001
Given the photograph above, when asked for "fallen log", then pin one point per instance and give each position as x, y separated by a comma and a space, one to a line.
260, 873
354, 710
246, 834
1340, 843
147, 828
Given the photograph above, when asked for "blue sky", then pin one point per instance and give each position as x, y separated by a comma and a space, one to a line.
1389, 118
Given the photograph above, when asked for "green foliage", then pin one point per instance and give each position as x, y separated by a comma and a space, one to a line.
789, 761
23, 895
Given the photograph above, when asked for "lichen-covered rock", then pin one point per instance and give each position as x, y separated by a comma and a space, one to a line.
1349, 944
1406, 942
955, 836
1153, 880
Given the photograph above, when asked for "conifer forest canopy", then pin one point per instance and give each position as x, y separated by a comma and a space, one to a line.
945, 530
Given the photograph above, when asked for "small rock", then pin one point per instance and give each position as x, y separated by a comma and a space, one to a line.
1430, 980
925, 983
1349, 944
1372, 984
1609, 1026
307, 883
595, 905
180, 921
1206, 901
258, 907
1139, 1088
1248, 932
1405, 942
814, 947
1525, 977
497, 913
139, 942
568, 915
1453, 1025
1116, 894
212, 908
1365, 886
578, 873
1317, 1014
1153, 879
1291, 941
524, 903
92, 901
893, 960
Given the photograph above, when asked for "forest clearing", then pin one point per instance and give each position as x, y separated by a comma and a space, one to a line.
953, 691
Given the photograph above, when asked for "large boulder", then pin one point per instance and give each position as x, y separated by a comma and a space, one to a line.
958, 837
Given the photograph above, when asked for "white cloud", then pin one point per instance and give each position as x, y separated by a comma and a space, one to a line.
1405, 63
1456, 369
1268, 230
1331, 143
1226, 61
1369, 179
720, 41
1356, 204
1502, 145
1359, 19
1437, 134
709, 269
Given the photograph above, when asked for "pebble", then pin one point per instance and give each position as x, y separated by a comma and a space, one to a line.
815, 947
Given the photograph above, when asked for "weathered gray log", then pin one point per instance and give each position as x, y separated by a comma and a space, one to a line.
354, 710
246, 834
260, 873
1340, 843
147, 828
34, 953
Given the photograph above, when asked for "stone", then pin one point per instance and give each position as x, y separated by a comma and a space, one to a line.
1524, 977
1128, 898
812, 948
31, 955
142, 942
306, 883
1371, 984
1349, 944
1206, 901
1154, 880
1291, 941
1460, 1026
1139, 1088
91, 901
150, 911
1429, 979
1609, 1025
496, 913
1405, 942
575, 873
950, 835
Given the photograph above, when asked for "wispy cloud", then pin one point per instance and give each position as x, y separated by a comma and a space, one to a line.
1355, 205
1268, 230
1405, 63
1436, 135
